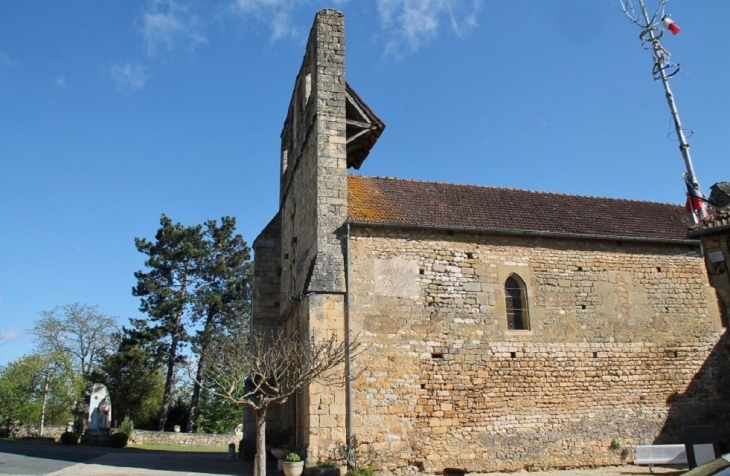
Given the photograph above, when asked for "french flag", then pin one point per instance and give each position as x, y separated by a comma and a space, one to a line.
670, 25
695, 200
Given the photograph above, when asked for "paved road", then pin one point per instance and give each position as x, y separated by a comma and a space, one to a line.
20, 459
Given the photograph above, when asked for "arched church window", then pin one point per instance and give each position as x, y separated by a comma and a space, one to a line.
515, 294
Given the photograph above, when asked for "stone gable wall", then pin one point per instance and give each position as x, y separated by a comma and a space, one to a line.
625, 346
312, 211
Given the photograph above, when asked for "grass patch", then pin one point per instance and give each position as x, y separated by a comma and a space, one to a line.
204, 449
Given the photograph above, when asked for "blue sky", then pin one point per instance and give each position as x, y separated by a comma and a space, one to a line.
112, 113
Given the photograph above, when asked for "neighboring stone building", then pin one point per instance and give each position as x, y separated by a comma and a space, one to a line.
504, 329
714, 233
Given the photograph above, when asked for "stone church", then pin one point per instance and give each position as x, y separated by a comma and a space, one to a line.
503, 329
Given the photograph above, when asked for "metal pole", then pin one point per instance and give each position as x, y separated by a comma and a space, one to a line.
660, 66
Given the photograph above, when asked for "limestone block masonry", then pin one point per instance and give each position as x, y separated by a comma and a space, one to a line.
625, 347
304, 288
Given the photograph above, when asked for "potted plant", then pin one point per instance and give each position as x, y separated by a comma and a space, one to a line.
293, 465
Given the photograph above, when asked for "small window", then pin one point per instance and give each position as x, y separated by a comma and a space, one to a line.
515, 295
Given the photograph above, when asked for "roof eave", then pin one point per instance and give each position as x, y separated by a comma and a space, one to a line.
529, 233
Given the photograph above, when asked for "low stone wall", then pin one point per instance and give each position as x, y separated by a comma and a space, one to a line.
31, 431
184, 439
138, 436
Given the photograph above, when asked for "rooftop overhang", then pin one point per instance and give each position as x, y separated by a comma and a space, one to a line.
363, 128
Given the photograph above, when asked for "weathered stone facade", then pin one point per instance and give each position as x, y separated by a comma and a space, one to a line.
714, 233
307, 234
623, 349
624, 343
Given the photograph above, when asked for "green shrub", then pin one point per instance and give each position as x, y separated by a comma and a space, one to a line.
293, 458
68, 438
127, 426
360, 472
118, 440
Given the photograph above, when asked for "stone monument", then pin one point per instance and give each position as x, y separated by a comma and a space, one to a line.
99, 422
100, 408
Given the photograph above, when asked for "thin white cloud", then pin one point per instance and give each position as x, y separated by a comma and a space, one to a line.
276, 13
11, 335
408, 24
168, 25
5, 59
128, 76
412, 23
60, 81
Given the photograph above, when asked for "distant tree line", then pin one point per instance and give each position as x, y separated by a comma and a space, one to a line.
195, 290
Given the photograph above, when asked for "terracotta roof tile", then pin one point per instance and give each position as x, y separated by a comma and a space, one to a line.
391, 201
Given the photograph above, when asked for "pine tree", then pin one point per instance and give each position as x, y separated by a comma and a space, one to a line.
168, 291
223, 299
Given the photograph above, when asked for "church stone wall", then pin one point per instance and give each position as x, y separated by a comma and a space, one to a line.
625, 346
312, 211
717, 256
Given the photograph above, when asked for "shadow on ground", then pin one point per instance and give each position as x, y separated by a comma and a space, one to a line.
183, 461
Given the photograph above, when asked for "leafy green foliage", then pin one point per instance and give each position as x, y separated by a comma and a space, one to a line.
217, 415
222, 303
68, 438
127, 426
82, 333
23, 384
167, 292
293, 458
118, 440
197, 277
360, 472
178, 411
135, 381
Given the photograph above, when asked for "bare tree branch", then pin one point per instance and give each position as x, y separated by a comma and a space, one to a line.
264, 369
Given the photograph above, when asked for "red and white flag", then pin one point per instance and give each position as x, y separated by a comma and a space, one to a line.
670, 25
695, 201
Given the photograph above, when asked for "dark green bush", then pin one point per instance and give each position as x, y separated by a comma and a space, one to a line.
118, 440
127, 426
68, 438
360, 472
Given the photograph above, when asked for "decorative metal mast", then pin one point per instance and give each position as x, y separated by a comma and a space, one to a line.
652, 30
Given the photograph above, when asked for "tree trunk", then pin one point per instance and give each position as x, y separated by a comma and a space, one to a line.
260, 460
80, 416
167, 395
195, 400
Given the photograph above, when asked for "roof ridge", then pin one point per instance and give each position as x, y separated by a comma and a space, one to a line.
515, 189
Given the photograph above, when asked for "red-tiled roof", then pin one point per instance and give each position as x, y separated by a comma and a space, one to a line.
398, 202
